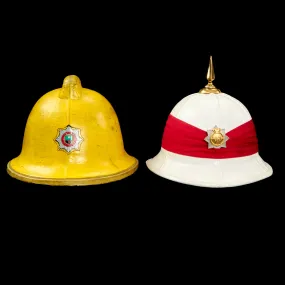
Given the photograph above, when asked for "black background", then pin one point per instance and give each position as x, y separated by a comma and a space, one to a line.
144, 58
144, 62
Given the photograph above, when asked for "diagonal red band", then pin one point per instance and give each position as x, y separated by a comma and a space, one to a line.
185, 139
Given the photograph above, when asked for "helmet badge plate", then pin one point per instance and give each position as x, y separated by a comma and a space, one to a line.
216, 138
69, 139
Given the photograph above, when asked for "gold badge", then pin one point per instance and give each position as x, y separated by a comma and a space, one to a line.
216, 138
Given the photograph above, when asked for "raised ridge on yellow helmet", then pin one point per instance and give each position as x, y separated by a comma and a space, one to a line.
72, 137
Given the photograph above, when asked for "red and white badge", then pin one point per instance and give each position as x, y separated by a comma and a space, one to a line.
69, 139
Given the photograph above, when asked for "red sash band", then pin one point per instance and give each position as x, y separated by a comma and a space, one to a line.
185, 139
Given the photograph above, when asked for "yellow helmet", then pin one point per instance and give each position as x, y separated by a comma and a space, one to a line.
72, 137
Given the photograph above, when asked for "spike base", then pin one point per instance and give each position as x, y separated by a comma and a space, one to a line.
210, 89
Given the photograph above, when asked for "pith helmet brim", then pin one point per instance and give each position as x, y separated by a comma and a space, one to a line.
213, 173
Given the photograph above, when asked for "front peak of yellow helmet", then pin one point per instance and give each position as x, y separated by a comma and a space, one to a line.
72, 137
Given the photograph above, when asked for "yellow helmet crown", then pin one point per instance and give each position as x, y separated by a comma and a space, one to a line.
72, 137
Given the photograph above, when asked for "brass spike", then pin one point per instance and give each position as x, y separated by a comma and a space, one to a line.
210, 88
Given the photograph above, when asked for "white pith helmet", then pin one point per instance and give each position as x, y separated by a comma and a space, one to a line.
210, 141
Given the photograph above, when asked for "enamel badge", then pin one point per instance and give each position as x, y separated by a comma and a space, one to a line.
69, 139
216, 138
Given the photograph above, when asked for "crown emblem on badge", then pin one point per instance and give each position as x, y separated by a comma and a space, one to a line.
216, 138
69, 139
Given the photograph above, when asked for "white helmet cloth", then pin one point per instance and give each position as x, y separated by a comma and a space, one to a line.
210, 141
